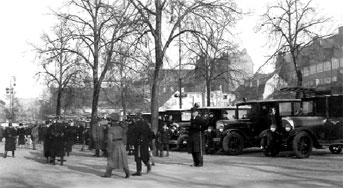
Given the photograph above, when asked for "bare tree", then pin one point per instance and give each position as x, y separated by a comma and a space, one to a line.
152, 13
59, 68
292, 25
213, 53
98, 27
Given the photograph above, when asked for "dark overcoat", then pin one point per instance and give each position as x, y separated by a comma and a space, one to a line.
196, 139
142, 134
57, 145
117, 157
10, 135
68, 138
21, 134
98, 135
130, 134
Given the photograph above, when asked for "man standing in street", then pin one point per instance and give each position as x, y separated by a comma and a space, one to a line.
35, 136
98, 136
117, 156
10, 135
196, 139
142, 134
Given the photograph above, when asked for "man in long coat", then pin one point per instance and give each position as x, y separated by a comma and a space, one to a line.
10, 135
57, 145
143, 136
117, 157
98, 136
34, 136
196, 139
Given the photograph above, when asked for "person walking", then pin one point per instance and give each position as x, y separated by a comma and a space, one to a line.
21, 135
10, 135
98, 136
57, 145
116, 153
142, 134
163, 137
35, 135
196, 139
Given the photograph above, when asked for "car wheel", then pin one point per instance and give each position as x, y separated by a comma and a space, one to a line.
302, 145
233, 143
335, 149
182, 142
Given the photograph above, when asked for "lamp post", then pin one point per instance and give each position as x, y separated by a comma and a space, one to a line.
10, 91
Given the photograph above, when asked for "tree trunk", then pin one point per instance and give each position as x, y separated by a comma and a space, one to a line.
158, 64
208, 92
96, 92
58, 104
123, 101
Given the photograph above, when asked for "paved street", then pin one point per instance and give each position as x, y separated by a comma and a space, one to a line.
28, 169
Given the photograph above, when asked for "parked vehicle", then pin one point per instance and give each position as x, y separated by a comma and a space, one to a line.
179, 120
244, 131
319, 124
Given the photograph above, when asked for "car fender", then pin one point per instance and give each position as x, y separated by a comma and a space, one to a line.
297, 131
228, 131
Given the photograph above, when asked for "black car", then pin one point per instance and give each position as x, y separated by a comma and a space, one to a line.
318, 124
257, 116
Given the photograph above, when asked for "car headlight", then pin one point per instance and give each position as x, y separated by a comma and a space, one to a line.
219, 124
288, 125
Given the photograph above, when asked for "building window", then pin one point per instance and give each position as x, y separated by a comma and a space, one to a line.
320, 67
335, 63
327, 80
313, 69
306, 71
341, 62
334, 79
164, 90
327, 66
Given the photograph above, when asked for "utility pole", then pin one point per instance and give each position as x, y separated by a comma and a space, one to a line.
180, 79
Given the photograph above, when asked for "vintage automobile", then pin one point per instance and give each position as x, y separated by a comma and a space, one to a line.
212, 115
244, 131
318, 124
179, 121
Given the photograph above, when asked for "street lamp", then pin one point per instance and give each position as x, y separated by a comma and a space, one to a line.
10, 92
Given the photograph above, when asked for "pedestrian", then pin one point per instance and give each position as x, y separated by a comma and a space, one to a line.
68, 138
117, 156
142, 134
130, 136
21, 135
1, 133
47, 142
57, 145
10, 135
34, 136
98, 136
164, 136
196, 139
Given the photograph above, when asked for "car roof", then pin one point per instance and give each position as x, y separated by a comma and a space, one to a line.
269, 101
217, 107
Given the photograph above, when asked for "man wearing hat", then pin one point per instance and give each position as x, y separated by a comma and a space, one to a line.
117, 156
142, 134
196, 139
10, 135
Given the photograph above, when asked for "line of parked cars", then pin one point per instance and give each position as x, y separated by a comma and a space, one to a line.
301, 124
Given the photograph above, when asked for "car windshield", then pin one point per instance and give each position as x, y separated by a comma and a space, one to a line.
248, 111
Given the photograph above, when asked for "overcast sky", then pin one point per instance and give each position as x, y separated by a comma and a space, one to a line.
23, 21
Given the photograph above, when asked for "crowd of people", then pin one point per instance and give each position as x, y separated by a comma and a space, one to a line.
108, 137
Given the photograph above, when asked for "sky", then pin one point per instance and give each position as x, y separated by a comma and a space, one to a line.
24, 21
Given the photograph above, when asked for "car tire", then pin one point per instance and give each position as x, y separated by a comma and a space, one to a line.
233, 143
302, 145
335, 149
182, 142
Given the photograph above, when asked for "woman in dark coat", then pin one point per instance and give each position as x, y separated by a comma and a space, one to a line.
21, 133
10, 135
117, 157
